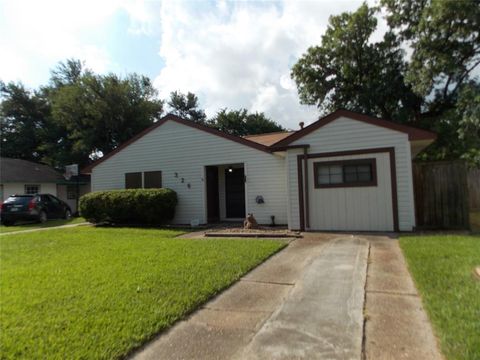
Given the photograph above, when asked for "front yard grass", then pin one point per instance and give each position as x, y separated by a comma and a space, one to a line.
100, 292
32, 225
442, 267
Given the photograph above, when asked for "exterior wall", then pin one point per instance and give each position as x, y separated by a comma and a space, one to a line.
62, 194
366, 208
19, 188
176, 148
346, 134
292, 185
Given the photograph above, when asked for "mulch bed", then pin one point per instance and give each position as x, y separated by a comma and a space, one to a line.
262, 231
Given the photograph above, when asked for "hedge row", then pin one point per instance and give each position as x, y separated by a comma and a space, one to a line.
131, 206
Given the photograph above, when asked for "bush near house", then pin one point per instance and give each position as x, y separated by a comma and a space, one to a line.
132, 206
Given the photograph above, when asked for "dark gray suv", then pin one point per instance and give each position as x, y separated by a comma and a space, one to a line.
38, 207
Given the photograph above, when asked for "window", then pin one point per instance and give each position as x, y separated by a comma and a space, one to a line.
152, 179
71, 192
133, 180
31, 189
345, 173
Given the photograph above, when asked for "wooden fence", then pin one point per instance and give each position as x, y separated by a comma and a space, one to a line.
445, 193
473, 179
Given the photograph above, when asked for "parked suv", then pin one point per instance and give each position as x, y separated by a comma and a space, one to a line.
38, 207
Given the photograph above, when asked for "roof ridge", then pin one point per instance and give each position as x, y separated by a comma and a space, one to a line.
414, 133
178, 119
270, 133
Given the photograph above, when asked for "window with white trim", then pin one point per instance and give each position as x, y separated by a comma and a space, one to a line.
71, 192
31, 189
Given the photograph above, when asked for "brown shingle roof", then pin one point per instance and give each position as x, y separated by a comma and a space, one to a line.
17, 170
274, 141
269, 138
172, 117
412, 132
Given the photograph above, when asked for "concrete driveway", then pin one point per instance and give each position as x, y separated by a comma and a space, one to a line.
311, 301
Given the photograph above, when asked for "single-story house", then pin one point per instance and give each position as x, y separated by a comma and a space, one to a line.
346, 171
19, 176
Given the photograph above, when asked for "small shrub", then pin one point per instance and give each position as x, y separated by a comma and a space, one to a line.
131, 206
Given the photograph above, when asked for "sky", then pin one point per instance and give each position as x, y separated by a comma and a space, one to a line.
230, 54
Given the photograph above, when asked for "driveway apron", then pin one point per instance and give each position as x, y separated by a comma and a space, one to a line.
323, 316
305, 302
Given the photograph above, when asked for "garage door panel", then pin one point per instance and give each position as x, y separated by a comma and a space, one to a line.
366, 208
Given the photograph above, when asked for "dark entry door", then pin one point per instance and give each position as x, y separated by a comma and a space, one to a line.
235, 193
213, 207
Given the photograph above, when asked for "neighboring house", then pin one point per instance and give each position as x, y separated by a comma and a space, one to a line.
346, 171
26, 177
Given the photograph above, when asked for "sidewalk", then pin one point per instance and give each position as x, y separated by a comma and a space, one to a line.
44, 228
397, 326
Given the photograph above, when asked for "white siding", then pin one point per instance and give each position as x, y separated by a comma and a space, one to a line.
292, 184
353, 208
176, 148
345, 134
62, 194
19, 188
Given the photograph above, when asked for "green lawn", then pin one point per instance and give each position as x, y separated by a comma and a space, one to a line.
93, 293
49, 223
442, 267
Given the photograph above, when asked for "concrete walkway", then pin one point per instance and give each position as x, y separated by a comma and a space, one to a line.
44, 228
308, 302
396, 325
323, 316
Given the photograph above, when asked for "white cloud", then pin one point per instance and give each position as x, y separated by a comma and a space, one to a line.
240, 55
38, 34
231, 54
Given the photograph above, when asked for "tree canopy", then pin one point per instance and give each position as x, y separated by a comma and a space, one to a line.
241, 123
80, 115
186, 106
428, 89
23, 116
77, 117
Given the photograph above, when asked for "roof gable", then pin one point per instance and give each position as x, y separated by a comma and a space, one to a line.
412, 132
177, 119
268, 139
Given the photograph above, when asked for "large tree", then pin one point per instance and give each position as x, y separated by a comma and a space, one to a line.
240, 123
98, 112
23, 115
77, 117
186, 106
349, 70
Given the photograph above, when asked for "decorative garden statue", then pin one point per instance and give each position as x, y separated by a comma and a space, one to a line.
250, 222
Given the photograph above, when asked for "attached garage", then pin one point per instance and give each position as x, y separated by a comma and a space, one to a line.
353, 173
351, 191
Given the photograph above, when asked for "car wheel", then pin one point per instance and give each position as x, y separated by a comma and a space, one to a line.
42, 217
8, 223
67, 215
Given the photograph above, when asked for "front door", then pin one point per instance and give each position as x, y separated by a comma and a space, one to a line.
235, 192
213, 207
